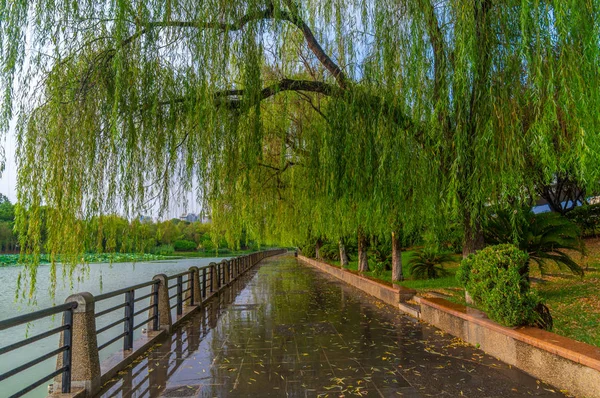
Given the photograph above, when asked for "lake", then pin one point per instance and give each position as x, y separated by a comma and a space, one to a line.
100, 278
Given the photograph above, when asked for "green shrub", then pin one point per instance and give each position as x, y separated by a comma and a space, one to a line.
164, 250
448, 237
496, 278
330, 251
587, 218
428, 263
380, 254
184, 245
547, 238
378, 267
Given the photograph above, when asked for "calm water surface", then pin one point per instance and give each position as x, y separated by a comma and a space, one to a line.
101, 278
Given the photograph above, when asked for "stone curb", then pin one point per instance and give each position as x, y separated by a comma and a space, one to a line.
568, 364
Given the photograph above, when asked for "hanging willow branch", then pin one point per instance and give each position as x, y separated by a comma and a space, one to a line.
415, 114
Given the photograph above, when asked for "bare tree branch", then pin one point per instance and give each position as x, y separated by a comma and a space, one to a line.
235, 99
268, 13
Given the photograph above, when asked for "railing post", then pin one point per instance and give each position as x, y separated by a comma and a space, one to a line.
226, 274
196, 292
84, 346
203, 283
179, 295
164, 309
128, 324
214, 278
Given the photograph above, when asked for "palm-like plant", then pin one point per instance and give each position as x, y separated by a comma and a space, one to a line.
428, 263
545, 237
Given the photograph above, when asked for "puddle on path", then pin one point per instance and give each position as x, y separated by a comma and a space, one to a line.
287, 330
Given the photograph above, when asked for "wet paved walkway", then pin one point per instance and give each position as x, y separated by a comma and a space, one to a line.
287, 330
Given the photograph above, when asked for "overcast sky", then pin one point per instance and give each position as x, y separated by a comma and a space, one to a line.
8, 182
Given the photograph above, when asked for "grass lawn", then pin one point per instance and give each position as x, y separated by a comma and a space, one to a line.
574, 302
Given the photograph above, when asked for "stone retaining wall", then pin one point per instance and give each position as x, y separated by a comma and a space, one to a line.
568, 364
387, 294
557, 360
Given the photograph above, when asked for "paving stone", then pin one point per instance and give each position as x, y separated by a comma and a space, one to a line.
292, 331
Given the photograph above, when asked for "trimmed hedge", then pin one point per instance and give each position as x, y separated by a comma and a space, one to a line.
496, 278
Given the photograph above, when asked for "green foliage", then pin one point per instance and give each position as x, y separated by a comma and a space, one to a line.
587, 217
544, 237
451, 237
15, 259
284, 137
184, 245
164, 250
7, 209
380, 253
377, 267
330, 251
428, 263
495, 277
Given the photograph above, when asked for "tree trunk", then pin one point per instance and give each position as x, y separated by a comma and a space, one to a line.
318, 249
473, 239
363, 263
343, 255
472, 242
397, 274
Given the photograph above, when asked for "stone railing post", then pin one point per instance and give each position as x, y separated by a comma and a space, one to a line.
164, 308
197, 299
225, 265
85, 368
214, 278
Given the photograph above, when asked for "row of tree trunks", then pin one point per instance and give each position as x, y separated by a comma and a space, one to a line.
363, 264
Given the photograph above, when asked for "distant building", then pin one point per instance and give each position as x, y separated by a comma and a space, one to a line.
189, 217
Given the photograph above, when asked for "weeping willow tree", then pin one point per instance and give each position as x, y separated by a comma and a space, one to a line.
295, 118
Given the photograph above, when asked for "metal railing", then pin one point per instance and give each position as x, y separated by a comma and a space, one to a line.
201, 283
65, 348
180, 291
128, 320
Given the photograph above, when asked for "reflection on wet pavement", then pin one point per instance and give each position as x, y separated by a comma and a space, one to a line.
285, 329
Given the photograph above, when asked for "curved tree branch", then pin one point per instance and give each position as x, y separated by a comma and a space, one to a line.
268, 13
235, 99
437, 43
